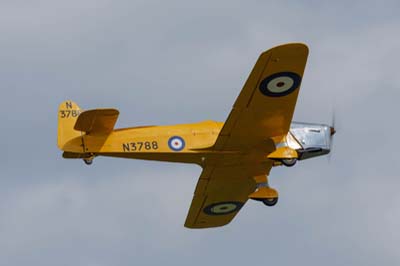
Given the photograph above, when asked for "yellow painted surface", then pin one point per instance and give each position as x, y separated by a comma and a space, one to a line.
68, 113
264, 193
235, 155
283, 153
97, 121
255, 125
256, 116
154, 139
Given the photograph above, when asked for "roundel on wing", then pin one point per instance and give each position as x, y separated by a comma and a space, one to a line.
280, 84
176, 143
222, 208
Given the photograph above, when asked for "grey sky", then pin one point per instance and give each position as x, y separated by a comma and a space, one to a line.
167, 62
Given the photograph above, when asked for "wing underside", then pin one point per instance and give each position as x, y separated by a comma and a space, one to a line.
266, 104
263, 110
222, 190
219, 195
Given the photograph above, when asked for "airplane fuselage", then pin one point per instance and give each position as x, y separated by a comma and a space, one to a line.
190, 143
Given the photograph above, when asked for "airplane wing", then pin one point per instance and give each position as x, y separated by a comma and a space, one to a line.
266, 104
220, 193
264, 109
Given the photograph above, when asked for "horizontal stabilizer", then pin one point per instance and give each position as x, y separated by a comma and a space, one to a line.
97, 121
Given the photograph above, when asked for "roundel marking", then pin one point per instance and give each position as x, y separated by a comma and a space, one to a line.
222, 208
176, 143
280, 84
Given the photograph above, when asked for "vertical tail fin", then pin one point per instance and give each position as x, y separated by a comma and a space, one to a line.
68, 113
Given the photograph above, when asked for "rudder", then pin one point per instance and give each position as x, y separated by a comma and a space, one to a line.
68, 113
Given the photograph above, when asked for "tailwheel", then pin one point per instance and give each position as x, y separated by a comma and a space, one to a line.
289, 162
88, 161
270, 201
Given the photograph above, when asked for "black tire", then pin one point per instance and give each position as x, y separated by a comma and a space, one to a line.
289, 162
88, 161
270, 201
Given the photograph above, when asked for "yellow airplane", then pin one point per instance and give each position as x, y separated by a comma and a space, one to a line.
236, 156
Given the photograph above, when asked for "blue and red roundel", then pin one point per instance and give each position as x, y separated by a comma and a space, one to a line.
176, 143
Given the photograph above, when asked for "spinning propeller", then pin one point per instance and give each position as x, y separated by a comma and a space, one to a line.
333, 131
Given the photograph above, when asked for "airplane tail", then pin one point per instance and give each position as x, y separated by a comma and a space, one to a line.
68, 113
76, 127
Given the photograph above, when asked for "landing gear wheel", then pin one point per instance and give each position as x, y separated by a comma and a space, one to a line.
289, 162
270, 201
88, 161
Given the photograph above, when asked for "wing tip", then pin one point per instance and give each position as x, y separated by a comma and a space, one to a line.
298, 46
203, 225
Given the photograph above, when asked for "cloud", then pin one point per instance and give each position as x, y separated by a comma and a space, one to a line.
176, 62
